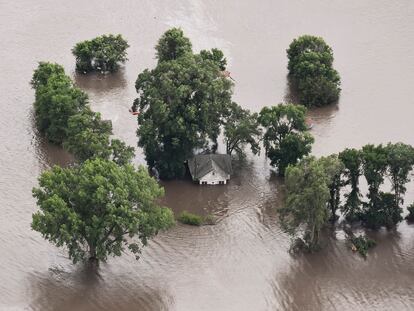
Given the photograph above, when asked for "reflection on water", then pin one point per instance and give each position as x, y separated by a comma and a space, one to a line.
85, 289
241, 263
98, 83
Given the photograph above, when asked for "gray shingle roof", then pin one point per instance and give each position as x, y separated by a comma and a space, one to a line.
202, 164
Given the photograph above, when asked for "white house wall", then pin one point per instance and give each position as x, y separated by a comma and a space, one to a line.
215, 176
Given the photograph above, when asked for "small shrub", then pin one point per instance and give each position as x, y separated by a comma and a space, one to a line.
410, 215
209, 220
190, 219
362, 244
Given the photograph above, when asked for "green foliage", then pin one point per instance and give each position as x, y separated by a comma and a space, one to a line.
396, 161
103, 53
286, 139
98, 209
240, 128
121, 153
43, 72
216, 56
307, 194
173, 45
374, 165
351, 158
63, 116
410, 215
333, 168
89, 138
400, 161
310, 65
56, 100
190, 219
362, 244
181, 104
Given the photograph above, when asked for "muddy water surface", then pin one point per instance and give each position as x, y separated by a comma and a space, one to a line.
242, 262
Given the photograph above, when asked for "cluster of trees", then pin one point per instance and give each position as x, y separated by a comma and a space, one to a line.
185, 104
103, 53
314, 190
101, 205
63, 115
310, 66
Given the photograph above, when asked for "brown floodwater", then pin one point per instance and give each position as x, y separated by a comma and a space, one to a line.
242, 262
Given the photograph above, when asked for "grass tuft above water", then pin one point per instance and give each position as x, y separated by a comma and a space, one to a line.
195, 220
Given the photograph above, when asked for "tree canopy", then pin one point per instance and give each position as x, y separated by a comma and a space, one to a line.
216, 56
286, 138
173, 45
63, 115
98, 209
56, 100
310, 66
351, 158
103, 53
307, 194
240, 128
181, 105
89, 138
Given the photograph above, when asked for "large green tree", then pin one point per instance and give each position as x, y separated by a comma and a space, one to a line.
181, 103
286, 138
310, 66
103, 53
173, 45
307, 194
240, 128
98, 209
56, 100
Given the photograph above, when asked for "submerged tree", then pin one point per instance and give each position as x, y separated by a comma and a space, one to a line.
351, 158
286, 138
400, 160
333, 168
181, 105
56, 100
173, 45
310, 66
305, 212
103, 53
98, 209
240, 128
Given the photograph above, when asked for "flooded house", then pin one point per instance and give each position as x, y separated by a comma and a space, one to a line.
210, 169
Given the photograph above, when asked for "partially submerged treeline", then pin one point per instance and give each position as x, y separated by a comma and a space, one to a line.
314, 188
101, 205
63, 116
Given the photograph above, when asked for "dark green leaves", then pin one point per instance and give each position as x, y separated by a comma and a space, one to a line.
181, 103
286, 139
173, 45
102, 53
310, 65
93, 208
